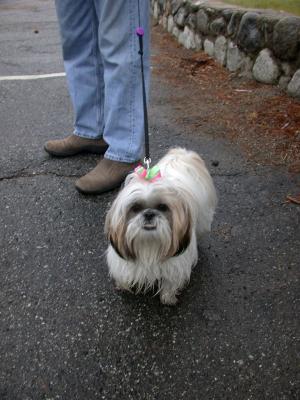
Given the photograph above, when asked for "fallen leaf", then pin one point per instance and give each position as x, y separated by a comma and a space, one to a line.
294, 199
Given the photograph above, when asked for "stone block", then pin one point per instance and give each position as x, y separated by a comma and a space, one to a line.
176, 31
249, 37
246, 67
180, 17
209, 47
165, 22
234, 57
294, 85
266, 24
265, 69
170, 25
187, 38
195, 5
218, 26
234, 23
220, 50
287, 69
286, 38
227, 14
182, 37
191, 21
155, 11
202, 22
176, 4
284, 82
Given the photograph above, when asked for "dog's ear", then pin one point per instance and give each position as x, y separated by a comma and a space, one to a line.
115, 230
181, 229
114, 246
184, 241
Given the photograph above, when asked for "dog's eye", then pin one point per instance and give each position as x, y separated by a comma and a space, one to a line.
162, 207
136, 208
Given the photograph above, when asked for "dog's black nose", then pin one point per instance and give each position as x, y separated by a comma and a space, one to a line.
149, 215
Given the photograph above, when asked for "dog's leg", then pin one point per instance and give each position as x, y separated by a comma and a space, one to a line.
168, 292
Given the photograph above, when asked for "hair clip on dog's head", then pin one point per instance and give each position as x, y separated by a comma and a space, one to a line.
150, 174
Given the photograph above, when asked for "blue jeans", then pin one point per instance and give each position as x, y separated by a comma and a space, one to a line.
100, 51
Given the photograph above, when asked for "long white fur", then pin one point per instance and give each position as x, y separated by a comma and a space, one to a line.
183, 175
170, 276
187, 171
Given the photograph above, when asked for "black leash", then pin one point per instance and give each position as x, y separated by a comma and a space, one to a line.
140, 33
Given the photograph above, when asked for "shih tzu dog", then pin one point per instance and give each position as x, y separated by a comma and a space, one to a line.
153, 225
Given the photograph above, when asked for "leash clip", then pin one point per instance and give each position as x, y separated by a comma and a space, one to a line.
147, 162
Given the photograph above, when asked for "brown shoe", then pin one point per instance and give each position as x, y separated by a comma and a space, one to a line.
74, 144
106, 176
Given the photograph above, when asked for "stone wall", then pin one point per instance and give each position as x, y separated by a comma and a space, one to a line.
259, 44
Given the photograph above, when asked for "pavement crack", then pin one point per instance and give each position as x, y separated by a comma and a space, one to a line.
27, 174
24, 173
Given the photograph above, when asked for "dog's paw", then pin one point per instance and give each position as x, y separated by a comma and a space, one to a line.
121, 287
168, 299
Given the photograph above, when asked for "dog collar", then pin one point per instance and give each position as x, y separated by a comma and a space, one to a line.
150, 174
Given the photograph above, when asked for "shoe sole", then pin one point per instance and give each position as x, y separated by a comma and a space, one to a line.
95, 192
91, 149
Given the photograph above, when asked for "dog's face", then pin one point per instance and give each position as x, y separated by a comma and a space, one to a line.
149, 222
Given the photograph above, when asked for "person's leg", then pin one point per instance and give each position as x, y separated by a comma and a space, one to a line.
78, 23
123, 102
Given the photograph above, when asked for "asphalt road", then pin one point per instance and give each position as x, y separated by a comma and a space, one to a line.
65, 333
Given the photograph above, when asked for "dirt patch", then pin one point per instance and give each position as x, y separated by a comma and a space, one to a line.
261, 119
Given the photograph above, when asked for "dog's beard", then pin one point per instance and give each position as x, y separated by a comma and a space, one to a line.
149, 246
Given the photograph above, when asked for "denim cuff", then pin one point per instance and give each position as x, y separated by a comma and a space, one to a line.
87, 135
115, 157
